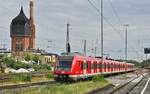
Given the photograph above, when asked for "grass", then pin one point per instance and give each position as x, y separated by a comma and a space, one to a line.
23, 77
75, 88
26, 78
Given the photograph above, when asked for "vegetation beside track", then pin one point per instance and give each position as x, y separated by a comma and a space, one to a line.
63, 88
14, 79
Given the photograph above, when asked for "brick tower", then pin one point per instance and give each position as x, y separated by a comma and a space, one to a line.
22, 31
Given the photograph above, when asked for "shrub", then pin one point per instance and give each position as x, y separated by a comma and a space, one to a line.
27, 57
41, 67
9, 62
50, 76
35, 58
15, 64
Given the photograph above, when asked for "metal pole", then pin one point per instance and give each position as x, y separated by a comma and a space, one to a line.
85, 47
68, 48
96, 48
126, 41
102, 41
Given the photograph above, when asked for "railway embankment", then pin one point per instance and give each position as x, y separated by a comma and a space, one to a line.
95, 86
81, 87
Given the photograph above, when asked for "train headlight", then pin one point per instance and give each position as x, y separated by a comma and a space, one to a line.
76, 71
62, 72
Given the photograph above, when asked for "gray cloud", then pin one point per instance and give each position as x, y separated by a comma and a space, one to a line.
52, 16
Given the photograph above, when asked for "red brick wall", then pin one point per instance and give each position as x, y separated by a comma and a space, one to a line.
23, 40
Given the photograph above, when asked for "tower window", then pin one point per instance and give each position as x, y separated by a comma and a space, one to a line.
19, 46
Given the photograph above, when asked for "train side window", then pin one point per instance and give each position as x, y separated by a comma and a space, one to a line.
103, 66
84, 65
106, 65
92, 65
98, 65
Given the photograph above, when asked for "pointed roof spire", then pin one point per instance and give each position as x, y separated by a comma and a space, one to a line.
21, 11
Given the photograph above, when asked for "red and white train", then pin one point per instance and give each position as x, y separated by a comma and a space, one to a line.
74, 67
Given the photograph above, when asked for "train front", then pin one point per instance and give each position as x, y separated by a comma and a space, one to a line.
63, 68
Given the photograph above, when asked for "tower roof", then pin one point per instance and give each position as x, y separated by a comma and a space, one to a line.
20, 25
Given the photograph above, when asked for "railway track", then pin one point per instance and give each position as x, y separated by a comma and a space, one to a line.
23, 85
132, 87
126, 88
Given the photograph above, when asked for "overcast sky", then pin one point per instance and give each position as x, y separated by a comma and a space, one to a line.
51, 17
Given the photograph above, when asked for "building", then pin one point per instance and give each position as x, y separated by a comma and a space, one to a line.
22, 31
48, 58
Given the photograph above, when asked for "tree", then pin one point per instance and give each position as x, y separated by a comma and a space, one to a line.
35, 58
145, 63
27, 57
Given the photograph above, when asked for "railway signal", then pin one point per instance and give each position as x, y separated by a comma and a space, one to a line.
146, 50
68, 48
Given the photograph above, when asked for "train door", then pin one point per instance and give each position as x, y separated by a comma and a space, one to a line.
80, 67
88, 67
125, 67
108, 67
121, 67
104, 66
95, 67
112, 66
100, 67
92, 67
118, 67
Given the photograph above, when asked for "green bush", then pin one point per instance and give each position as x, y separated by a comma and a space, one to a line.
9, 62
27, 57
15, 64
35, 58
98, 78
42, 67
23, 77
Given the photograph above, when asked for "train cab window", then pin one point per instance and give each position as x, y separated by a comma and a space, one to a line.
64, 65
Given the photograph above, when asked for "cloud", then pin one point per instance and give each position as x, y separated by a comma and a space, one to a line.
52, 16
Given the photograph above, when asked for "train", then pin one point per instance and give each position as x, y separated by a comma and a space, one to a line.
76, 67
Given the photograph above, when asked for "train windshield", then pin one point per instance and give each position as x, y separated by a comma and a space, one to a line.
64, 65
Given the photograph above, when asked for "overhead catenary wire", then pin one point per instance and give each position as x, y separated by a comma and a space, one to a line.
115, 12
47, 28
107, 21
